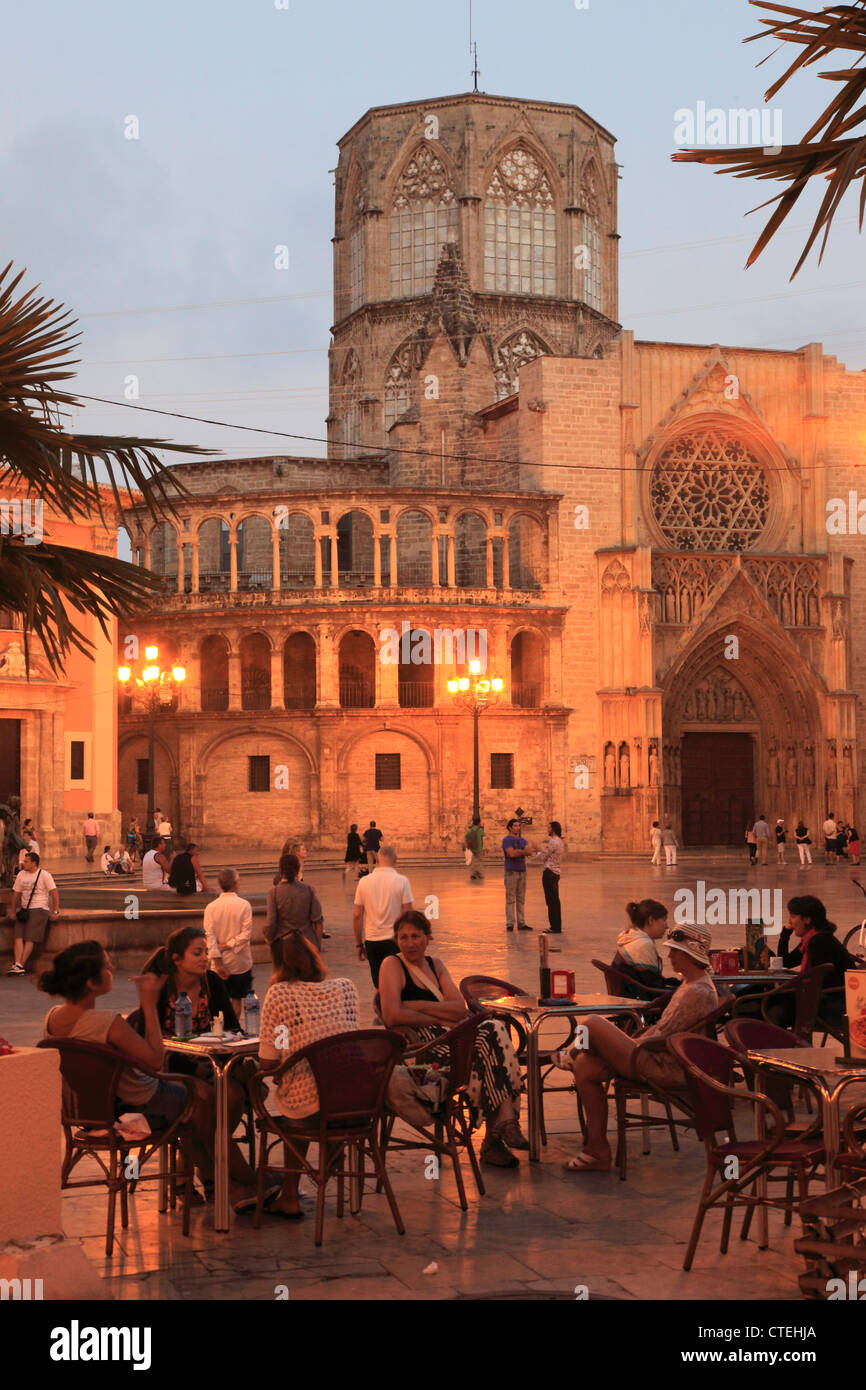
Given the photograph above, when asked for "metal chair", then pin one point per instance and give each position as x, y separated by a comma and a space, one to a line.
734, 1165
91, 1073
477, 990
618, 983
351, 1072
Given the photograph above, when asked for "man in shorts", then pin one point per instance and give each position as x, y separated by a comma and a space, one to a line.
831, 833
34, 889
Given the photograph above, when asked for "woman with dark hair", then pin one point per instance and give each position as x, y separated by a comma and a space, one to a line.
186, 872
354, 851
636, 952
293, 906
817, 945
419, 999
853, 844
551, 859
301, 1006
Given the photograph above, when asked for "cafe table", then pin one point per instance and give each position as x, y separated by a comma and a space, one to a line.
753, 977
221, 1053
532, 1013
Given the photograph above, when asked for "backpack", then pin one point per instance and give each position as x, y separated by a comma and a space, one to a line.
470, 839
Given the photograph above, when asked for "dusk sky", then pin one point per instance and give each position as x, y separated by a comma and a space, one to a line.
240, 105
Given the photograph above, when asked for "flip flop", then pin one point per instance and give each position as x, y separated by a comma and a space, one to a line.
585, 1163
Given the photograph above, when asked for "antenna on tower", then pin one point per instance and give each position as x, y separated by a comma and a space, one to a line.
473, 49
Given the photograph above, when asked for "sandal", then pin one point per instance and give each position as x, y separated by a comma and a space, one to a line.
585, 1163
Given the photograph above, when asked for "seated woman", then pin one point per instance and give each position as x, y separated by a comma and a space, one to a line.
83, 974
419, 999
636, 951
293, 906
817, 945
181, 967
610, 1051
301, 1006
106, 863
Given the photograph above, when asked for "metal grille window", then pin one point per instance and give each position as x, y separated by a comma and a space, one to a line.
260, 773
502, 770
142, 776
387, 772
76, 760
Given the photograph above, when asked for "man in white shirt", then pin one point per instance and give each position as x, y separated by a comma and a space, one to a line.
831, 830
228, 925
34, 888
379, 900
30, 844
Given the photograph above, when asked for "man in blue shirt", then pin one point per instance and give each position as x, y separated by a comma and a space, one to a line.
515, 849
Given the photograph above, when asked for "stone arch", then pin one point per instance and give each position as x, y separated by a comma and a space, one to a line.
300, 658
515, 350
297, 541
355, 548
224, 771
527, 552
527, 653
255, 653
414, 533
253, 730
521, 201
255, 550
400, 383
214, 672
357, 669
130, 747
163, 539
470, 550
423, 214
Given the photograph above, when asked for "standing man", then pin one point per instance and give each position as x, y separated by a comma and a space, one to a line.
831, 831
656, 843
35, 890
762, 837
671, 844
228, 926
516, 851
781, 840
551, 860
380, 897
474, 842
91, 835
164, 830
372, 841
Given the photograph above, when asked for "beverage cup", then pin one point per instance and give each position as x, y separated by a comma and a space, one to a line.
776, 963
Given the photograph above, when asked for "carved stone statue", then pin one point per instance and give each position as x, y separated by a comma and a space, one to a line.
832, 772
809, 765
701, 702
791, 768
624, 766
609, 766
773, 768
653, 766
12, 662
711, 702
847, 766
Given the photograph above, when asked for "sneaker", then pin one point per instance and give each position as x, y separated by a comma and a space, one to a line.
494, 1154
524, 927
16, 969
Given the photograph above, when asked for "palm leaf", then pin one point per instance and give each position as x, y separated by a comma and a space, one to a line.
824, 151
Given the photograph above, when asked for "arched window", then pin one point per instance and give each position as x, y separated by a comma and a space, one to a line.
255, 554
527, 562
354, 550
398, 385
520, 227
163, 550
213, 555
255, 672
513, 353
591, 250
299, 671
351, 400
297, 551
415, 671
527, 670
357, 671
423, 218
414, 550
214, 673
710, 491
470, 552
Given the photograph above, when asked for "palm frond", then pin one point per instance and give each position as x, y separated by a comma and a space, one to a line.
824, 150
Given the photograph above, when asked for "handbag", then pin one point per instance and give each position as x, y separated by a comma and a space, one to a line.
467, 855
22, 913
417, 1094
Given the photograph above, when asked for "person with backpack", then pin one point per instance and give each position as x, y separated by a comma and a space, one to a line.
473, 842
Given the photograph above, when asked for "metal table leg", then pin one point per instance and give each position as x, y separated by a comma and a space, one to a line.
832, 1133
222, 1217
533, 1083
760, 1186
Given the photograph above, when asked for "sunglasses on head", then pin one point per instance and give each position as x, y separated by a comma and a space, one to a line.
677, 935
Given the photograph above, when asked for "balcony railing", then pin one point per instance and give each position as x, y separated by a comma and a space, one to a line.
356, 694
213, 581
215, 698
255, 579
526, 696
415, 694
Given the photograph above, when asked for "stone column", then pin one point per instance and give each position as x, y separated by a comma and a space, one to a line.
387, 678
181, 547
450, 560
277, 672
489, 572
233, 562
195, 565
377, 558
275, 567
437, 580
393, 539
335, 564
328, 668
317, 541
506, 567
234, 677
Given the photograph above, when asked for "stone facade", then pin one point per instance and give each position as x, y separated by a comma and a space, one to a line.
639, 532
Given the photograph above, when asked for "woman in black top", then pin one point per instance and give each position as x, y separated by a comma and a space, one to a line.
185, 871
817, 945
354, 849
420, 999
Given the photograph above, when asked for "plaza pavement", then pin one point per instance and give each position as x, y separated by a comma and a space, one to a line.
539, 1232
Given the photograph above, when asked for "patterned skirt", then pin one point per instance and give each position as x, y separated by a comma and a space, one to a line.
496, 1075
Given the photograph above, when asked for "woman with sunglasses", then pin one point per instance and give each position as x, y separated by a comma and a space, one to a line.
610, 1052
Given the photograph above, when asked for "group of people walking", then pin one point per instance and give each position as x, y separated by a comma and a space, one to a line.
840, 841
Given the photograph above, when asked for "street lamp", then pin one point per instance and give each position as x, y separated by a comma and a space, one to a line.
475, 692
157, 686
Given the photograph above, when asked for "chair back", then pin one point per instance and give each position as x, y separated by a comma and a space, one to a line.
709, 1025
702, 1059
621, 985
745, 1034
351, 1071
476, 988
91, 1073
807, 1000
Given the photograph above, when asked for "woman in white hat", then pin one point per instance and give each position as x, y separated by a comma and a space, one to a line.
609, 1051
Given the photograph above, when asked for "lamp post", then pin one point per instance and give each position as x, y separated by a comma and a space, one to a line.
475, 692
157, 686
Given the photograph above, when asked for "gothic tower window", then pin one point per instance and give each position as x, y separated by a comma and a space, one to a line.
513, 353
398, 385
709, 491
423, 218
351, 394
520, 227
591, 256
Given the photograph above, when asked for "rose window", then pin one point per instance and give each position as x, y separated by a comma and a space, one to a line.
710, 492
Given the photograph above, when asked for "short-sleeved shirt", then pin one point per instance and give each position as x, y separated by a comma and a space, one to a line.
514, 866
292, 907
762, 830
830, 829
23, 884
295, 1015
372, 840
383, 894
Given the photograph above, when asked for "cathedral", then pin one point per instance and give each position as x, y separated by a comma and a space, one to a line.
652, 549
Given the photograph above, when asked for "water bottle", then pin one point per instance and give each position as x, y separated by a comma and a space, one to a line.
182, 1015
251, 1014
